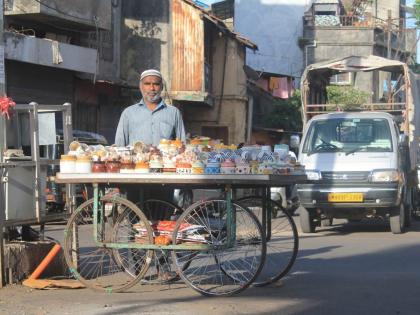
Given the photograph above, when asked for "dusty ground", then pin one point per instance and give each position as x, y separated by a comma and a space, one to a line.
344, 269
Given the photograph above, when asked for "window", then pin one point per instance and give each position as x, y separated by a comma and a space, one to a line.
342, 79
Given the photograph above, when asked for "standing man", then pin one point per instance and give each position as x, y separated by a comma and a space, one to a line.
151, 119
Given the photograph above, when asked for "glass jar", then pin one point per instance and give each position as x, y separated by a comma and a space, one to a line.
83, 165
113, 166
68, 164
98, 167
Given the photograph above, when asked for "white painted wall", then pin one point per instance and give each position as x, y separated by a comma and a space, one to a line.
275, 26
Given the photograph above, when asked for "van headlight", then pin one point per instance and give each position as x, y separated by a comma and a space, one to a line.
385, 176
313, 175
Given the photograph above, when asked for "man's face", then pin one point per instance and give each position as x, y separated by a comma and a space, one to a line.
151, 88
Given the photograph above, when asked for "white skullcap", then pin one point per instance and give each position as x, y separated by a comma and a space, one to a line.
150, 72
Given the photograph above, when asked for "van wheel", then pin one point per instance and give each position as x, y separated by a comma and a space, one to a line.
307, 223
397, 219
407, 215
408, 207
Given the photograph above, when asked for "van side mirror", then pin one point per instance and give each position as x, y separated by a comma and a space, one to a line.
402, 140
294, 141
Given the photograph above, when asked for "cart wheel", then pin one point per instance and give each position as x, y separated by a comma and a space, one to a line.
162, 269
219, 271
282, 245
100, 267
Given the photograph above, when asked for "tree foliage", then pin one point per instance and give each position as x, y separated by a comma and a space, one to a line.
417, 12
346, 97
286, 114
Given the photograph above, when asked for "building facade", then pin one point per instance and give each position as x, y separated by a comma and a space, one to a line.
337, 29
275, 26
199, 56
90, 53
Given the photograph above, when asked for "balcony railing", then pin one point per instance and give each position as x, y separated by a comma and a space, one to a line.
344, 21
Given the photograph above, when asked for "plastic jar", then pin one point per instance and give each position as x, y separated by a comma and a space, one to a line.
212, 168
142, 168
83, 165
67, 164
113, 166
227, 167
197, 168
98, 167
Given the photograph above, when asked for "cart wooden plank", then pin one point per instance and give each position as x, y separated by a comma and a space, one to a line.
176, 179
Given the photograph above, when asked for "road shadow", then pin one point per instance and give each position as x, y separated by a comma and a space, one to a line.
343, 228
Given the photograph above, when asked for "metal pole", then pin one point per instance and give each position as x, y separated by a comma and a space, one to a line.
3, 145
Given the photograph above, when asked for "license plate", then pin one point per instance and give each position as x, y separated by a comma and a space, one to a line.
345, 197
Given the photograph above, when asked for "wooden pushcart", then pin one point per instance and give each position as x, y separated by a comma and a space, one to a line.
218, 247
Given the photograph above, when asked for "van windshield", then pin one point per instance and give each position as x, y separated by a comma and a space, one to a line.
348, 135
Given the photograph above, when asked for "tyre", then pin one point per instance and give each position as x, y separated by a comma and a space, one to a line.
225, 269
102, 268
415, 196
408, 207
307, 223
407, 215
397, 219
282, 241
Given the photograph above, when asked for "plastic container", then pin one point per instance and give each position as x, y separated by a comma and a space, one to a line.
83, 165
113, 166
183, 168
127, 165
67, 164
212, 168
142, 168
155, 167
242, 168
197, 168
227, 167
169, 167
98, 167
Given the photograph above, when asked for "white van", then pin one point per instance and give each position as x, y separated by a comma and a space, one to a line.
355, 163
360, 153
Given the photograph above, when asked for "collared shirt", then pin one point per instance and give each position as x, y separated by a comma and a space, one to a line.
139, 123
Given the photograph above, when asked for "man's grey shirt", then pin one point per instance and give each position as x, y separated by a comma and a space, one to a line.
139, 123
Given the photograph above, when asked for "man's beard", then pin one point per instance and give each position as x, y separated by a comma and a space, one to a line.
152, 97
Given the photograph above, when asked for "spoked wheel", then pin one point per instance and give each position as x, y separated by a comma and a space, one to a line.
226, 269
282, 244
89, 259
162, 269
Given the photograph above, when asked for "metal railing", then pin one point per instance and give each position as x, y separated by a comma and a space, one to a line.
316, 109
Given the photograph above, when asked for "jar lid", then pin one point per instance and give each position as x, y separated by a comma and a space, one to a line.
65, 157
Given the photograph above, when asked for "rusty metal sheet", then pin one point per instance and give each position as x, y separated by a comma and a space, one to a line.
187, 70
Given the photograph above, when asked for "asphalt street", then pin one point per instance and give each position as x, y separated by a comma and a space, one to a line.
343, 269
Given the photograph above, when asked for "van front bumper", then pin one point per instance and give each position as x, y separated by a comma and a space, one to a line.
375, 195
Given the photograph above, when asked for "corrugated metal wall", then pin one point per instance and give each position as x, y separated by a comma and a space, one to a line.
188, 48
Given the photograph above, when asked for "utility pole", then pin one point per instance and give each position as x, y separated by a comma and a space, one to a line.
389, 51
3, 145
389, 34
